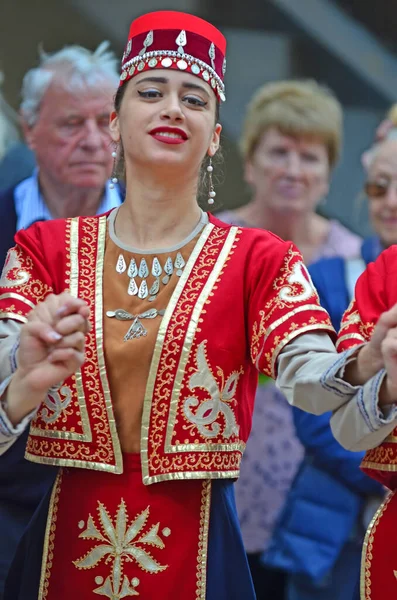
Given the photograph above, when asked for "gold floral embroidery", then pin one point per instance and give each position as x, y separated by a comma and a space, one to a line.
298, 278
17, 273
382, 458
56, 402
13, 275
222, 398
272, 331
118, 542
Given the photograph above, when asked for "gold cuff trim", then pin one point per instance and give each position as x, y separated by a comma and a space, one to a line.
291, 336
379, 467
15, 317
290, 314
18, 297
350, 336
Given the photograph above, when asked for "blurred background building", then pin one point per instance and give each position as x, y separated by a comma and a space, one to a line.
350, 45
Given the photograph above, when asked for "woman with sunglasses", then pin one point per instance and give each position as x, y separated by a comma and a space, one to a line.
131, 345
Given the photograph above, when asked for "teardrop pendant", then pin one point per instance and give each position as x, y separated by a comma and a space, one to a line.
133, 268
154, 290
143, 269
121, 265
156, 267
143, 290
179, 261
132, 288
169, 267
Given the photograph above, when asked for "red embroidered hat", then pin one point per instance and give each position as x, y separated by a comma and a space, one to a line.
176, 40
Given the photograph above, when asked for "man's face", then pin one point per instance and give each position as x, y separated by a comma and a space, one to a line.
71, 137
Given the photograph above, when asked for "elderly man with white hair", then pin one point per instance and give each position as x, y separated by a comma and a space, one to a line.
65, 109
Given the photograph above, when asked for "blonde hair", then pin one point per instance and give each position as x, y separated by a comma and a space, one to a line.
8, 124
297, 108
392, 115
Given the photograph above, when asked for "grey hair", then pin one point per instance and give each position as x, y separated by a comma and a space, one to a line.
77, 66
373, 152
8, 124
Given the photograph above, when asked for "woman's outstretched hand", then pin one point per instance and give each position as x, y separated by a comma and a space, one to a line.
52, 347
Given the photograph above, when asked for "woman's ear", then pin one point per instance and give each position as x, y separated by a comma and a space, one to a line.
215, 141
114, 127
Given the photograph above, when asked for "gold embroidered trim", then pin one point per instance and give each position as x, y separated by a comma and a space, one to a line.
15, 296
289, 315
287, 338
72, 237
367, 556
107, 455
189, 337
350, 336
99, 345
203, 541
49, 539
74, 257
213, 461
378, 466
158, 349
14, 316
70, 462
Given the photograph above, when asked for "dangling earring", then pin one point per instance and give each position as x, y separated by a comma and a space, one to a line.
113, 178
211, 193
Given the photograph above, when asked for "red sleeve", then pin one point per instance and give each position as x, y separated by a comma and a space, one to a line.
283, 303
375, 293
24, 280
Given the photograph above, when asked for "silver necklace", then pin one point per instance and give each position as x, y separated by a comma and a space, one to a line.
138, 286
137, 329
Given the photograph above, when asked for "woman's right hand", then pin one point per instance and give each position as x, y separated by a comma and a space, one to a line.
51, 349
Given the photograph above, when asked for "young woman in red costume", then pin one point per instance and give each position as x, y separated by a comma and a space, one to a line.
131, 343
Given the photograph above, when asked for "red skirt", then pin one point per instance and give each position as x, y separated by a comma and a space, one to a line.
109, 535
379, 564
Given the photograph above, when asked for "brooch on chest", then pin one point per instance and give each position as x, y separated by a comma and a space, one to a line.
137, 328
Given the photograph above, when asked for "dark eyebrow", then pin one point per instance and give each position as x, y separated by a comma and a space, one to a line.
185, 84
194, 86
152, 80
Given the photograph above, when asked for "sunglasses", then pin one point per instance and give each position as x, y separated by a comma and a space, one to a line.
376, 189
